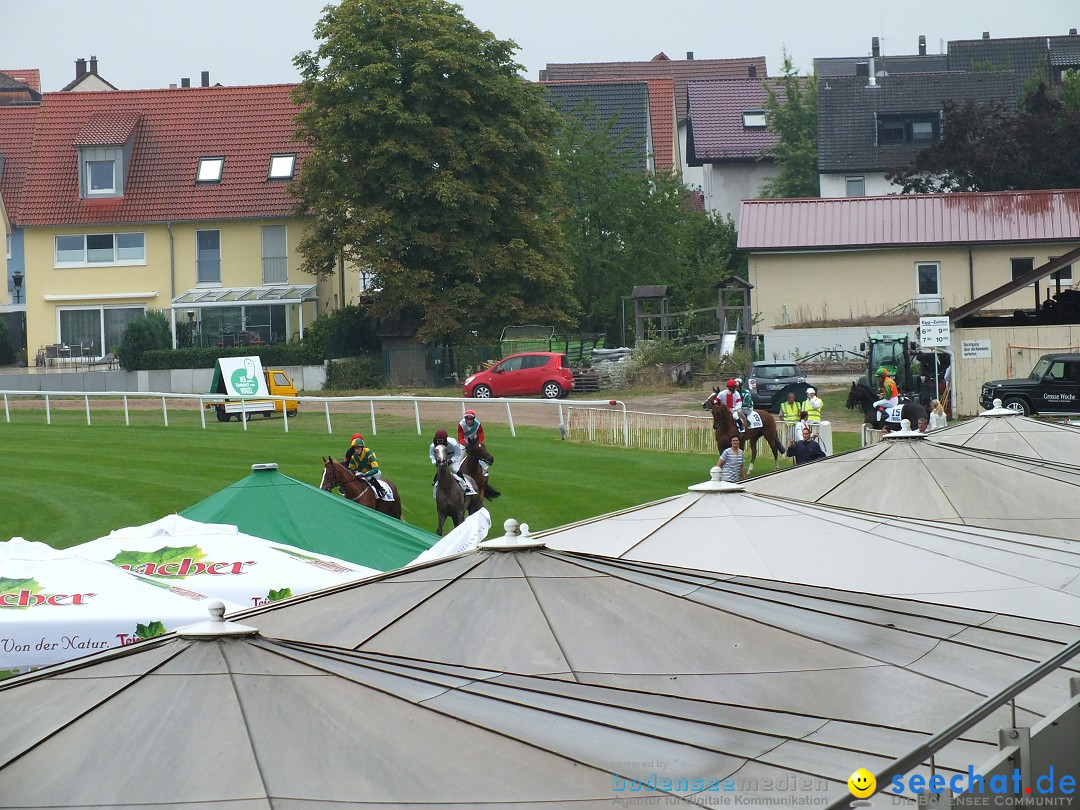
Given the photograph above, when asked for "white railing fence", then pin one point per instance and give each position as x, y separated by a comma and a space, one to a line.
646, 431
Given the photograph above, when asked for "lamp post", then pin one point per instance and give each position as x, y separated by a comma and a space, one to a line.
17, 282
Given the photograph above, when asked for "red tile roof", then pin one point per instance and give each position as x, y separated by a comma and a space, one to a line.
716, 108
174, 128
662, 121
31, 77
681, 70
910, 219
108, 129
16, 137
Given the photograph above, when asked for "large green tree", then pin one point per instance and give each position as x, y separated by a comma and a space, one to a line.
791, 112
431, 164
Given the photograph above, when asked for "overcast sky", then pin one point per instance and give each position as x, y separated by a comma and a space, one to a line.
148, 43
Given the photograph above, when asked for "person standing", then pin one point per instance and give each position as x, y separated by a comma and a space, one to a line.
790, 410
806, 450
937, 415
813, 405
731, 462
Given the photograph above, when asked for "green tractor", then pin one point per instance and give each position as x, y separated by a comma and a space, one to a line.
898, 355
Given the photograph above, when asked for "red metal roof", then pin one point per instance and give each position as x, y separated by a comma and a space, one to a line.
16, 136
173, 128
910, 219
31, 77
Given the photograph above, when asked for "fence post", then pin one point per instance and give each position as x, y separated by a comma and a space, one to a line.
7, 413
326, 406
48, 411
374, 431
202, 413
165, 412
127, 416
86, 399
416, 408
510, 419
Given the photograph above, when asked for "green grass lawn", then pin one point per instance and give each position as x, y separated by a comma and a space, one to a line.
68, 482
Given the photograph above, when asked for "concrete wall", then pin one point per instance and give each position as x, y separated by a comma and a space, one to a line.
874, 184
726, 185
174, 381
787, 344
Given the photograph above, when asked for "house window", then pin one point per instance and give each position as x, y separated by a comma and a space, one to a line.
275, 256
100, 177
94, 249
208, 257
921, 129
98, 327
856, 187
754, 119
281, 167
210, 170
1021, 266
928, 278
1064, 275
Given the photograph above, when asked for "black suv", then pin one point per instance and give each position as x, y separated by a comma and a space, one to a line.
769, 383
1052, 387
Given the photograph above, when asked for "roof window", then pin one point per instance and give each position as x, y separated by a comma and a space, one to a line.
210, 170
754, 119
281, 167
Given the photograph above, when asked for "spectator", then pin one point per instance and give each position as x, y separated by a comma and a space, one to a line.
806, 450
813, 405
802, 424
937, 415
924, 426
731, 462
790, 409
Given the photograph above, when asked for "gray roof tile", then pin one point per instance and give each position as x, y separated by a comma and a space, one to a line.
627, 101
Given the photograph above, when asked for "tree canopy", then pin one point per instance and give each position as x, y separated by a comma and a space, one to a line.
431, 165
791, 112
993, 147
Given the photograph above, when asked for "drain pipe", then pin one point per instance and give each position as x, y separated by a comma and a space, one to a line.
971, 275
172, 283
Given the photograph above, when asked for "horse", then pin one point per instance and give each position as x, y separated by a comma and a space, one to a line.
450, 499
475, 452
335, 474
725, 428
861, 396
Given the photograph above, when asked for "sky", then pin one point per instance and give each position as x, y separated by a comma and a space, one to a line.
147, 44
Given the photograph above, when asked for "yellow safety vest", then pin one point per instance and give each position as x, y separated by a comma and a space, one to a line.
790, 411
812, 414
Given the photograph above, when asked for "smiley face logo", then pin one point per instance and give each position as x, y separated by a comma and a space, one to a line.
862, 783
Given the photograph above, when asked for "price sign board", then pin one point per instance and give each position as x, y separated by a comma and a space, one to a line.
934, 332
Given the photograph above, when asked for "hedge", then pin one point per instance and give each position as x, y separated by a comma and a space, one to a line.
273, 356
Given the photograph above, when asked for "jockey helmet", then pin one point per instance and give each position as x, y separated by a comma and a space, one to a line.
731, 383
357, 440
440, 437
882, 371
470, 414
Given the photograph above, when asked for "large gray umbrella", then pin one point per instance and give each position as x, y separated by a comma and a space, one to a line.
760, 643
219, 717
1005, 432
912, 476
720, 527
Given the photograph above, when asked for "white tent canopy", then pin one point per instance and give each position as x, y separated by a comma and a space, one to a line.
1014, 435
722, 528
219, 560
55, 606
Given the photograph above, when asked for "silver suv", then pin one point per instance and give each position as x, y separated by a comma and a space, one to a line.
769, 382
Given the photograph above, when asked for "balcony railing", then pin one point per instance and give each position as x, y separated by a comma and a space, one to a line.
275, 270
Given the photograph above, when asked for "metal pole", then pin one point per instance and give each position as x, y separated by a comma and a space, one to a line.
202, 413
165, 411
374, 432
510, 419
48, 411
326, 405
127, 416
416, 408
243, 413
87, 400
285, 413
7, 413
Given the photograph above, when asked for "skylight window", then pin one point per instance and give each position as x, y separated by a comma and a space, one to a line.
210, 170
754, 119
281, 167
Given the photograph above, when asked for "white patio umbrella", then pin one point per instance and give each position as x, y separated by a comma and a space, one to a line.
219, 560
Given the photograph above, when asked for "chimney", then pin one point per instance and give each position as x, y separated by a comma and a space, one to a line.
875, 47
751, 71
93, 65
986, 35
206, 78
1072, 32
922, 45
80, 68
185, 81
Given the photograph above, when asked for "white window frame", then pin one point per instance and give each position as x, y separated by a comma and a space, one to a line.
84, 262
937, 269
210, 170
754, 119
199, 282
278, 163
1065, 282
854, 179
90, 190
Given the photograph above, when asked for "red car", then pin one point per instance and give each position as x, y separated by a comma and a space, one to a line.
546, 374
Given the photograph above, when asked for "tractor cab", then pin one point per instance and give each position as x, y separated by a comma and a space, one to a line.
894, 352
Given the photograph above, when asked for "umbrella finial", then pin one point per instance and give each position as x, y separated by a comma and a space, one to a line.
1000, 410
517, 537
714, 484
216, 625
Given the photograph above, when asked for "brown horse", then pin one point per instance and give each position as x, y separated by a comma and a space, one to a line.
725, 428
335, 474
475, 452
450, 499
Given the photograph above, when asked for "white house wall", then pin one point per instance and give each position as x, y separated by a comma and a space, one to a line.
875, 184
727, 184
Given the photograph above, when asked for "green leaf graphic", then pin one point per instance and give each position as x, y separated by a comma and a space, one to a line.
15, 586
278, 595
149, 630
135, 560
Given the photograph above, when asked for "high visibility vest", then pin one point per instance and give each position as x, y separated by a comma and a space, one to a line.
812, 414
790, 411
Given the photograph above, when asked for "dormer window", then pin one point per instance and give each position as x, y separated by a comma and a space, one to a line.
754, 119
916, 128
282, 166
210, 170
100, 177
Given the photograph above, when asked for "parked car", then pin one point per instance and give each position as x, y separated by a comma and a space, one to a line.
1053, 386
545, 374
769, 382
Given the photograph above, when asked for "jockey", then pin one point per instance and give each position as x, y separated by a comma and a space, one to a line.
470, 428
889, 391
457, 454
747, 399
732, 400
361, 460
812, 405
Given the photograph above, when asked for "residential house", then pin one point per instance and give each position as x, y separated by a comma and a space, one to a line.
884, 64
728, 137
87, 78
642, 114
16, 134
172, 200
868, 126
922, 254
680, 71
20, 87
1027, 57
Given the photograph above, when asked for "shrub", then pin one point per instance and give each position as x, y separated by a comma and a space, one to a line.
355, 373
345, 332
273, 356
7, 351
151, 331
666, 352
